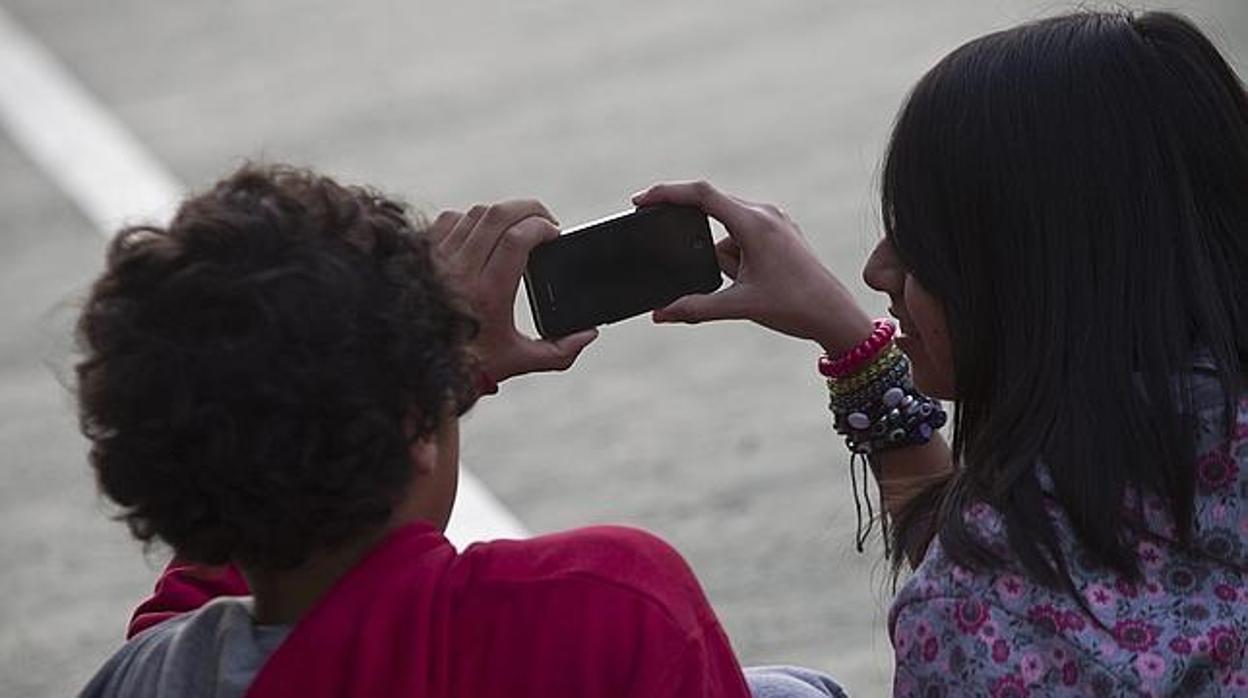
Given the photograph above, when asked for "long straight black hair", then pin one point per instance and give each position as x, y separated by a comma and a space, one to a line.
1075, 191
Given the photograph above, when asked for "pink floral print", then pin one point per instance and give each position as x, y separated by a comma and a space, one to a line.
1180, 630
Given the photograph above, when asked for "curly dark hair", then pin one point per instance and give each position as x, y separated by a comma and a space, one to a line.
253, 374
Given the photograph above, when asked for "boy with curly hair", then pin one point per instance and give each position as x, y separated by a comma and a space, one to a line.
271, 385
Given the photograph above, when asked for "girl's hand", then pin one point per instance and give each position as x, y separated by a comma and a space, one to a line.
778, 282
484, 252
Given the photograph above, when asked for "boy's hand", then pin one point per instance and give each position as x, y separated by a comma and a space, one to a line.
484, 252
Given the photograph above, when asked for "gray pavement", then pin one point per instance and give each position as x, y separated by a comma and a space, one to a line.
715, 437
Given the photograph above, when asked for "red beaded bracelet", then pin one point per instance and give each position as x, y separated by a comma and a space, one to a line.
859, 356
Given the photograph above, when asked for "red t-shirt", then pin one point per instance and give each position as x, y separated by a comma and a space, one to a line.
602, 611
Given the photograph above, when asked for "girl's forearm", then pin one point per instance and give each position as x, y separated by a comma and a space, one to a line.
905, 472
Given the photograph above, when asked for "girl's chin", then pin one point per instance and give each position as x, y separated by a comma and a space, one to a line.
911, 345
927, 379
920, 366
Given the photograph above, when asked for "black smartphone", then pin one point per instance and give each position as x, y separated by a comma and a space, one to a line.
617, 267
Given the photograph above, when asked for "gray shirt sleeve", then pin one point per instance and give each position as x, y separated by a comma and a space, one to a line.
212, 652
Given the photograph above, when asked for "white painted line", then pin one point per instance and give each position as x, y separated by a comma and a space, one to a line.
478, 514
114, 180
88, 152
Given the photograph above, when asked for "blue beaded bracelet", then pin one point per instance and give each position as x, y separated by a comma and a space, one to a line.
887, 413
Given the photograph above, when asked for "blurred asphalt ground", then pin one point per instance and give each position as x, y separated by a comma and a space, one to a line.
715, 437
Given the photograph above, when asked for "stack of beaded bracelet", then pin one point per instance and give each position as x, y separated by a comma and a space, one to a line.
873, 401
876, 407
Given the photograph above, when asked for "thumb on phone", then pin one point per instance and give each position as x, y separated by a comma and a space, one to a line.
727, 304
558, 354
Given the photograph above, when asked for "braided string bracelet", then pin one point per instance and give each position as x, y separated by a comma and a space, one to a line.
876, 407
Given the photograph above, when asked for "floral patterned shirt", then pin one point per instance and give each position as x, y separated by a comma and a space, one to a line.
1180, 631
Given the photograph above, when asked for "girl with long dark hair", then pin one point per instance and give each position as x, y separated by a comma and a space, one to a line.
1065, 209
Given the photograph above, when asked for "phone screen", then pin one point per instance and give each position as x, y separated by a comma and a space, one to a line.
619, 267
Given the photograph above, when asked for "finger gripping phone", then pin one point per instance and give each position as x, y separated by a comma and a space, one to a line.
618, 267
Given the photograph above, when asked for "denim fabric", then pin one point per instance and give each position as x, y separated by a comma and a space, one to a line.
791, 682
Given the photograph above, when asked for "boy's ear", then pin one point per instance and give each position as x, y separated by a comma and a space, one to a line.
422, 452
424, 455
